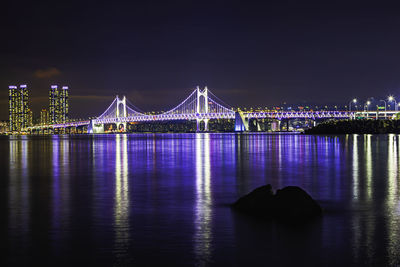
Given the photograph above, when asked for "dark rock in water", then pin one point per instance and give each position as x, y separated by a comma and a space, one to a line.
293, 204
290, 204
258, 203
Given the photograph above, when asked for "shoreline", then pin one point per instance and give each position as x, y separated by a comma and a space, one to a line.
365, 126
133, 133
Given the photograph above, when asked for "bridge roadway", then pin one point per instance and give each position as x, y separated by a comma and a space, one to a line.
248, 115
277, 115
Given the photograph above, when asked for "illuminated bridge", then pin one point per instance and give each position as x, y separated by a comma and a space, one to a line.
201, 106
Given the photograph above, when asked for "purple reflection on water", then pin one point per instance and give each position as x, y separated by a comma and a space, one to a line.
157, 198
203, 211
18, 192
56, 181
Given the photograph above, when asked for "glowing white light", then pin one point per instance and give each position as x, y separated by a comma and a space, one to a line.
121, 206
355, 168
368, 164
203, 221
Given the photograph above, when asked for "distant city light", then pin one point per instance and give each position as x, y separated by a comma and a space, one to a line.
200, 105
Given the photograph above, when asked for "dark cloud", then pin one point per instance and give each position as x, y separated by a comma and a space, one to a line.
47, 73
91, 97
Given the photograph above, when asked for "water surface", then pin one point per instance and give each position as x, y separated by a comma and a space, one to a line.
118, 200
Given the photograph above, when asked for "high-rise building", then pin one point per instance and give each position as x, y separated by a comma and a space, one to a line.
44, 117
3, 126
12, 107
58, 106
63, 104
24, 110
29, 118
53, 99
18, 107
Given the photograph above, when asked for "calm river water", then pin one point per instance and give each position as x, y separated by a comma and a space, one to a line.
163, 199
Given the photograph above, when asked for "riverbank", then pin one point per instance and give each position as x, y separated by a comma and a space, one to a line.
356, 127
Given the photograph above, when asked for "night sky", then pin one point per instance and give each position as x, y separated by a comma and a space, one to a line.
247, 53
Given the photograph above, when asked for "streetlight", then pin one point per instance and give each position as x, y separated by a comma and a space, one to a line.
391, 98
366, 105
354, 101
385, 107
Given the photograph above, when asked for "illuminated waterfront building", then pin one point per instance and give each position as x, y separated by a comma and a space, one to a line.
44, 117
18, 107
53, 99
63, 105
29, 118
58, 104
12, 107
3, 126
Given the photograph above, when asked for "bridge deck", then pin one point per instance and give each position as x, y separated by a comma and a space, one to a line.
248, 115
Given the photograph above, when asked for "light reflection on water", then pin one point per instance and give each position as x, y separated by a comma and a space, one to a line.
19, 190
355, 167
150, 199
60, 194
203, 208
121, 209
392, 198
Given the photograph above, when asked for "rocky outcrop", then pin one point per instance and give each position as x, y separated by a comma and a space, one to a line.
260, 202
290, 204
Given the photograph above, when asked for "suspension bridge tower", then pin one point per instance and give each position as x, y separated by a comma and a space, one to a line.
121, 126
202, 107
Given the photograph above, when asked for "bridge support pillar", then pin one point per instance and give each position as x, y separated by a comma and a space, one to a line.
275, 125
254, 125
121, 127
259, 126
93, 127
241, 123
198, 121
206, 125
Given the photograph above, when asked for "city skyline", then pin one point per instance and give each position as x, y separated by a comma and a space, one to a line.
254, 54
198, 111
57, 109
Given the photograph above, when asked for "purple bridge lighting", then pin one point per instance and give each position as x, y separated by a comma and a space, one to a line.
201, 105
